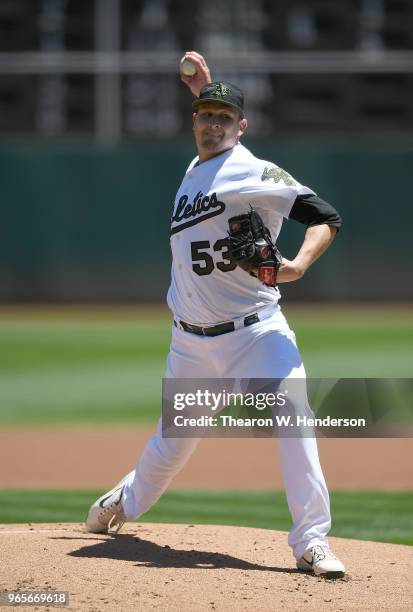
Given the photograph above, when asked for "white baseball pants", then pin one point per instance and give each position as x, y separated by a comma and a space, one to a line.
266, 349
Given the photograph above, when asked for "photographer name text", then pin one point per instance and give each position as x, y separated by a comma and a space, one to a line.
225, 420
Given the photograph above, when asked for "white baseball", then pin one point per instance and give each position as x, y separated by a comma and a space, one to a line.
187, 67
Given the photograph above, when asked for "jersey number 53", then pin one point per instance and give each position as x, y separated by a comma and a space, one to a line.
199, 252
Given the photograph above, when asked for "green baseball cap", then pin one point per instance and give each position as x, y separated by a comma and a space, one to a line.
222, 92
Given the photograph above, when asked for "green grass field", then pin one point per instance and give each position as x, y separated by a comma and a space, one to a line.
106, 366
359, 515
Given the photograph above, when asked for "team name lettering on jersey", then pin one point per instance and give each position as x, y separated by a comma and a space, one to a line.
198, 211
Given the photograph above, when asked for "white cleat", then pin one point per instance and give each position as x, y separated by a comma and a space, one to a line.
107, 511
321, 561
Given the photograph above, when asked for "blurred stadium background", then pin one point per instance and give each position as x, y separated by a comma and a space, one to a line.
95, 135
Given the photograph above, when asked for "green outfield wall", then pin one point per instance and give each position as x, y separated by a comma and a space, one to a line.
83, 223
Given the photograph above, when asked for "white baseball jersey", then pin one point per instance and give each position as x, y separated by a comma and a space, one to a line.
207, 287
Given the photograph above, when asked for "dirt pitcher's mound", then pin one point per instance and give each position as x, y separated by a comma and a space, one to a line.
197, 567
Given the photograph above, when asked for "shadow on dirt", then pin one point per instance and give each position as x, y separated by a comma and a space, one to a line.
144, 552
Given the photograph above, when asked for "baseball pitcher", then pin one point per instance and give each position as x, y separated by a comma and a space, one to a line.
224, 297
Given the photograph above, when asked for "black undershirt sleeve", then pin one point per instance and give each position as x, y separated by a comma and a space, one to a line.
312, 210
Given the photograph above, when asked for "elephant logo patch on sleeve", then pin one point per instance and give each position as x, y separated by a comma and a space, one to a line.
278, 174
